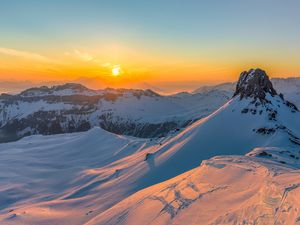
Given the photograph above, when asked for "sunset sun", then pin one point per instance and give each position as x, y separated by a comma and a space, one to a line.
116, 71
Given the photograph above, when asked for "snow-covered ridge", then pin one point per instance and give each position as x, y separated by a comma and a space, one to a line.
143, 113
66, 89
223, 190
78, 89
73, 107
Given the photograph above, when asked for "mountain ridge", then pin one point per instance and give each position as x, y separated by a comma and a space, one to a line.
141, 113
73, 108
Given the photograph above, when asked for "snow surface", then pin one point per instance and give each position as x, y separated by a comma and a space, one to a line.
223, 190
42, 175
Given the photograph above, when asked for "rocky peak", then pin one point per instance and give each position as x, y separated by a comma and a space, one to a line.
71, 86
254, 83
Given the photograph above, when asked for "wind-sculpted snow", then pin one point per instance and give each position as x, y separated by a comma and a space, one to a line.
48, 178
223, 190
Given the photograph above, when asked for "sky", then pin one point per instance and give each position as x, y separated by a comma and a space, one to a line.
169, 45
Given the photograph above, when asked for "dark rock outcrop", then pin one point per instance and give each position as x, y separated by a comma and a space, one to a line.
255, 84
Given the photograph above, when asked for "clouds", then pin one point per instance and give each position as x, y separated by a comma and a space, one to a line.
25, 55
82, 56
78, 54
107, 64
89, 58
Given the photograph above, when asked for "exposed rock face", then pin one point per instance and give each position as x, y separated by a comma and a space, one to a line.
261, 100
255, 83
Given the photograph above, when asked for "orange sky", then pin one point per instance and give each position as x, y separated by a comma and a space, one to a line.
93, 67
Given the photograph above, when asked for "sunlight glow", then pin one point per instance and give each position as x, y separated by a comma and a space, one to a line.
116, 71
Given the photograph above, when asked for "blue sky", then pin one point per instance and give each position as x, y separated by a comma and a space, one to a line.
173, 22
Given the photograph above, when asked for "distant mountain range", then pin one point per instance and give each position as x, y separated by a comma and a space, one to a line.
140, 113
73, 107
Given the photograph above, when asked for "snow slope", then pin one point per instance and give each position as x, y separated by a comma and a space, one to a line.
223, 190
47, 179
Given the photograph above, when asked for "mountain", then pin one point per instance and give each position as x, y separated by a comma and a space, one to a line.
141, 113
248, 120
260, 187
228, 87
255, 84
73, 108
289, 87
97, 177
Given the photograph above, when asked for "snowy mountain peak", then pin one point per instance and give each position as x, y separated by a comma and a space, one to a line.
254, 83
